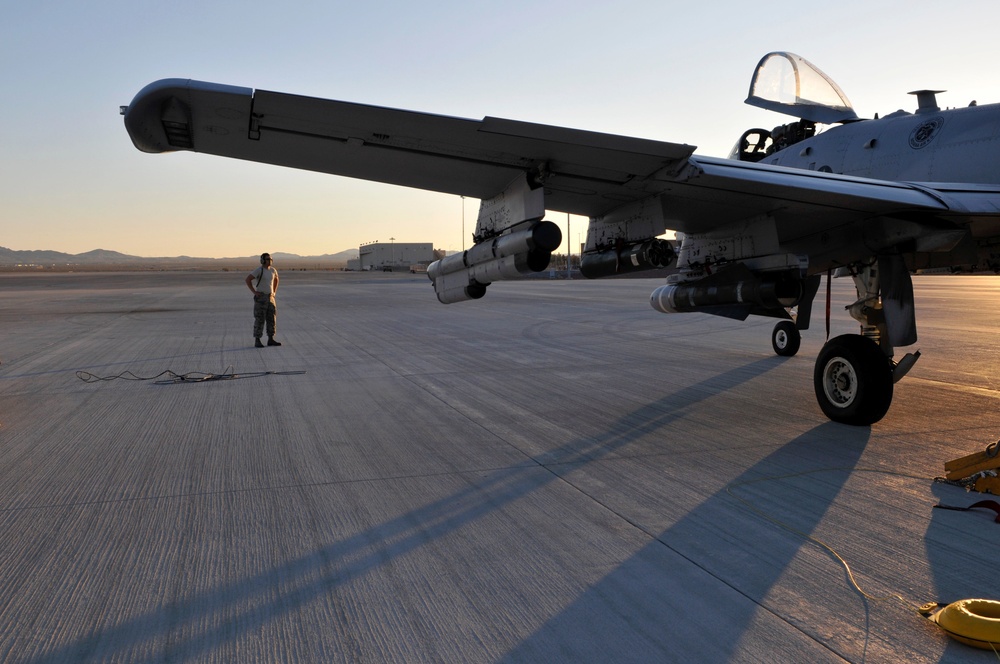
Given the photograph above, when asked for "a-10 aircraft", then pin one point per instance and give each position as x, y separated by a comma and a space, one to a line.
872, 199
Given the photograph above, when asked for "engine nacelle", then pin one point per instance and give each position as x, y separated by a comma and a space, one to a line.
648, 255
465, 276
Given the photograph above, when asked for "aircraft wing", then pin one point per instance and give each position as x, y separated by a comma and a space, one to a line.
720, 192
610, 178
585, 172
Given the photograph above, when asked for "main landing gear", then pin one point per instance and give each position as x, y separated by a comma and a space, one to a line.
854, 373
853, 380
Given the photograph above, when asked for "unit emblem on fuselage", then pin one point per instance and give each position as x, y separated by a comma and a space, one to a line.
925, 133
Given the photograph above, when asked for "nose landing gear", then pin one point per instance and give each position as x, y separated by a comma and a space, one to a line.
786, 338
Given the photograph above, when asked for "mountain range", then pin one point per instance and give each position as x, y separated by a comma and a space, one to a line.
46, 258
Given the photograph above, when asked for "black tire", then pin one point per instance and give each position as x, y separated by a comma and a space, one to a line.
786, 338
853, 380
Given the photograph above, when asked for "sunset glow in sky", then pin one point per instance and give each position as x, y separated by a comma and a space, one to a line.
70, 179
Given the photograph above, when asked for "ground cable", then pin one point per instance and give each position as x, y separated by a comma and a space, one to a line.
173, 378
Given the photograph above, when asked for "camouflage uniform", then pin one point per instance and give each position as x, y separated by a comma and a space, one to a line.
263, 281
264, 310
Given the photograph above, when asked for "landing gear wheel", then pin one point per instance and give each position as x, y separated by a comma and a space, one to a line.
853, 380
785, 338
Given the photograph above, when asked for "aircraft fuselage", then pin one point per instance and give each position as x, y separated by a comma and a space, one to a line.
931, 145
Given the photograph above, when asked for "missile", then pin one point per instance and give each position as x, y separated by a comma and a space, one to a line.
465, 276
456, 287
648, 255
733, 294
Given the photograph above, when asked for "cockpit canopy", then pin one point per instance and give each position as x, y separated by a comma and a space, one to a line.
790, 84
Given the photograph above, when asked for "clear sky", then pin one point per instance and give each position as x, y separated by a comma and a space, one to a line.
70, 179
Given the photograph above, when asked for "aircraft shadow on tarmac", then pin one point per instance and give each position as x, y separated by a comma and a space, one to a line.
703, 610
631, 614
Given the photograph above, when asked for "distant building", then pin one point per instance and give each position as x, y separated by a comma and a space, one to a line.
393, 255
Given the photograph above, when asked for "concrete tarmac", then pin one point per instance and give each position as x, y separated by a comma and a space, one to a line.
555, 473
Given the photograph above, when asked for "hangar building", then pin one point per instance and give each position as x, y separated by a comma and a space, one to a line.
393, 255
